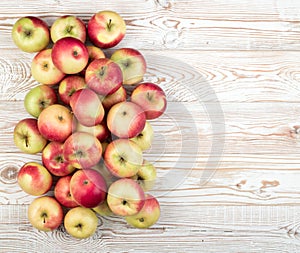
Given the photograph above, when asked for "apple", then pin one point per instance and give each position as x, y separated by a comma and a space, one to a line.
125, 197
88, 188
123, 158
103, 76
30, 34
62, 192
151, 98
87, 107
43, 70
38, 98
45, 213
118, 96
34, 179
70, 55
82, 150
146, 175
81, 222
53, 159
144, 139
100, 131
147, 216
103, 209
126, 119
106, 174
68, 26
27, 136
132, 63
55, 123
68, 86
95, 53
104, 146
106, 29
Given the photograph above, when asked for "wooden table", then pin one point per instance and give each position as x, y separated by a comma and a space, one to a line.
227, 150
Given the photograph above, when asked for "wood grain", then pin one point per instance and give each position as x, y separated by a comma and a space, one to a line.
185, 24
212, 76
211, 229
227, 148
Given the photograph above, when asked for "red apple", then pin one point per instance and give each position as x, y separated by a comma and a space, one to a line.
125, 197
38, 98
151, 98
31, 34
103, 76
27, 136
34, 179
126, 119
88, 188
45, 213
54, 160
62, 192
68, 26
132, 63
68, 86
87, 107
55, 123
82, 150
43, 70
70, 55
106, 29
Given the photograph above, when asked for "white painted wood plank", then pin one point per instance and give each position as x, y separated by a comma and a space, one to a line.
184, 24
236, 76
205, 229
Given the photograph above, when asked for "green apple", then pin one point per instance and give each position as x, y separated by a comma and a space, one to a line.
68, 26
81, 222
146, 175
132, 64
123, 158
147, 216
144, 139
31, 34
103, 209
38, 98
27, 136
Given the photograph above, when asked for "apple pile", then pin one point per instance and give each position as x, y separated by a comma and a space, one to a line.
90, 120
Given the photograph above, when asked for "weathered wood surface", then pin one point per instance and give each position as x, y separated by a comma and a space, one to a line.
227, 149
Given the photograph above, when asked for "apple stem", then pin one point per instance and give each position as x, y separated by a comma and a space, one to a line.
69, 28
26, 141
109, 24
27, 33
149, 96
